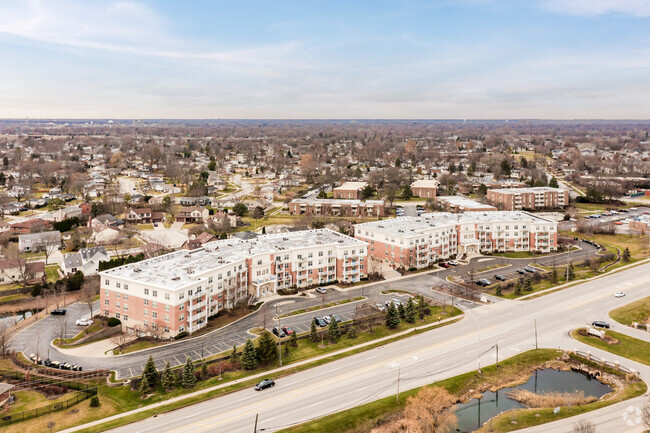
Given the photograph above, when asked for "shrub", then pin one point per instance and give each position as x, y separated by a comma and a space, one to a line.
427, 311
94, 401
113, 321
181, 335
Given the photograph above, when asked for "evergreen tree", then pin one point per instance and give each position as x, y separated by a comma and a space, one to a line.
554, 276
402, 311
352, 332
626, 255
313, 332
482, 189
334, 332
249, 357
294, 339
286, 350
528, 285
167, 379
267, 350
498, 290
263, 230
150, 372
572, 274
409, 314
204, 370
144, 386
553, 183
233, 354
407, 193
188, 380
392, 317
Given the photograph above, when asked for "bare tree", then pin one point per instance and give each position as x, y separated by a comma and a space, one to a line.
365, 315
4, 338
61, 325
89, 289
584, 426
49, 245
119, 340
323, 296
265, 316
19, 263
645, 415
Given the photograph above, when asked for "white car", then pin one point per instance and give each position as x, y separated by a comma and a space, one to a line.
83, 322
453, 262
619, 294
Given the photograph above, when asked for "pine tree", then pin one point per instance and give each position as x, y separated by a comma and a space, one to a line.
233, 355
498, 290
167, 378
204, 370
267, 350
334, 332
188, 380
294, 339
401, 311
409, 314
150, 372
286, 350
392, 317
249, 357
572, 274
144, 386
352, 332
313, 332
626, 255
554, 276
528, 285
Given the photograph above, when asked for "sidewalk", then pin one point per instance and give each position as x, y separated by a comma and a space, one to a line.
268, 373
96, 349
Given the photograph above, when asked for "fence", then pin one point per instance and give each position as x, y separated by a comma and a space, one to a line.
19, 378
603, 362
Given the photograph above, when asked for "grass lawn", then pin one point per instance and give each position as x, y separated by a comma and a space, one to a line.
514, 254
15, 297
637, 244
144, 226
602, 207
628, 347
52, 273
638, 311
138, 345
28, 400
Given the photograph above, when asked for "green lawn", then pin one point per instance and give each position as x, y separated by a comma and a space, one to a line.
138, 345
514, 254
638, 311
28, 400
627, 347
52, 273
637, 244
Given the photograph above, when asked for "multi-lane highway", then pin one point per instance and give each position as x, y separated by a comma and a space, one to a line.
423, 359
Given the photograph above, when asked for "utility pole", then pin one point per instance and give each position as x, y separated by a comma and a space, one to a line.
279, 334
255, 428
398, 374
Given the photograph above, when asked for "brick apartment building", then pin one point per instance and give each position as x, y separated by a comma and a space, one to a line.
417, 242
425, 188
349, 190
180, 290
336, 207
528, 198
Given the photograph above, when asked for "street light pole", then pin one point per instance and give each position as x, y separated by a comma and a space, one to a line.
279, 335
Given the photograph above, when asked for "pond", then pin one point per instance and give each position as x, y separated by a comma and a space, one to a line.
473, 414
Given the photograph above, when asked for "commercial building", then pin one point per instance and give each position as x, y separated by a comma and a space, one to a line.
349, 190
336, 207
457, 204
528, 198
425, 188
179, 291
417, 242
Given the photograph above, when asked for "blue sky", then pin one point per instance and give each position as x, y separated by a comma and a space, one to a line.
438, 59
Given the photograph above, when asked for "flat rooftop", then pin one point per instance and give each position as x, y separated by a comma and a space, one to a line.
464, 202
533, 190
414, 226
176, 270
425, 183
355, 186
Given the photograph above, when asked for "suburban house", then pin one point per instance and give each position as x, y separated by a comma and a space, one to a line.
233, 219
32, 226
192, 214
143, 216
106, 220
13, 270
197, 242
195, 201
39, 241
86, 260
424, 188
4, 227
349, 190
5, 392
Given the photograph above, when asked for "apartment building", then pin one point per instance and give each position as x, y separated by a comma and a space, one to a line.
336, 207
180, 290
424, 188
528, 198
417, 242
457, 204
349, 190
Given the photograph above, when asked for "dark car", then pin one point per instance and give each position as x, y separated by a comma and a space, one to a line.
58, 312
266, 383
320, 322
499, 277
288, 330
279, 332
600, 324
444, 265
521, 271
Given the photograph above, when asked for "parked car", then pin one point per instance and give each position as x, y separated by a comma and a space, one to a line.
499, 277
483, 282
288, 330
327, 319
279, 332
453, 262
83, 322
58, 312
380, 307
521, 271
266, 383
320, 322
336, 317
321, 290
619, 294
444, 265
600, 324
530, 269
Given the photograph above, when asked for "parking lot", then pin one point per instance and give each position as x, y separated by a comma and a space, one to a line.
620, 218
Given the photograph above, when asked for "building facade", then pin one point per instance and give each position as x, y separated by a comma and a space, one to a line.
179, 291
349, 190
418, 242
336, 207
425, 188
528, 198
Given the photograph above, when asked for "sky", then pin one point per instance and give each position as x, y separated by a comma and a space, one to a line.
311, 59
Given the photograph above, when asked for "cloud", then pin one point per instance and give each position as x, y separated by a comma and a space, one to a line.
593, 8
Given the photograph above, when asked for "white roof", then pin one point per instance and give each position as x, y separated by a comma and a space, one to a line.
425, 183
352, 185
464, 202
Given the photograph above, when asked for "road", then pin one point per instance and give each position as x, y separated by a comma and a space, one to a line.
423, 359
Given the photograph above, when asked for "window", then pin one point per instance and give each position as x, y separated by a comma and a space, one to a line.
145, 322
126, 287
106, 313
107, 302
126, 307
145, 312
154, 314
166, 317
117, 305
154, 304
166, 307
117, 285
181, 308
320, 254
106, 292
107, 282
189, 292
146, 291
166, 296
181, 317
181, 328
117, 315
146, 302
181, 296
126, 297
126, 317
117, 295
154, 293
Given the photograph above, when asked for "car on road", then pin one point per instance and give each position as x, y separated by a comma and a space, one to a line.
266, 383
288, 330
380, 307
453, 262
499, 277
444, 265
83, 322
279, 332
521, 271
322, 290
320, 322
619, 294
58, 312
600, 324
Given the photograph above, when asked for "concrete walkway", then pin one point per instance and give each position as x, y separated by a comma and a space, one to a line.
98, 349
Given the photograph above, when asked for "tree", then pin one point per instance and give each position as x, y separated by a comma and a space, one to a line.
4, 338
407, 193
144, 386
505, 167
554, 276
258, 212
571, 273
150, 372
553, 183
89, 289
367, 192
482, 189
249, 356
188, 380
119, 340
528, 285
313, 332
167, 378
166, 203
233, 355
240, 209
392, 316
267, 350
402, 311
409, 315
294, 339
626, 255
307, 165
645, 415
498, 290
584, 426
333, 331
212, 165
